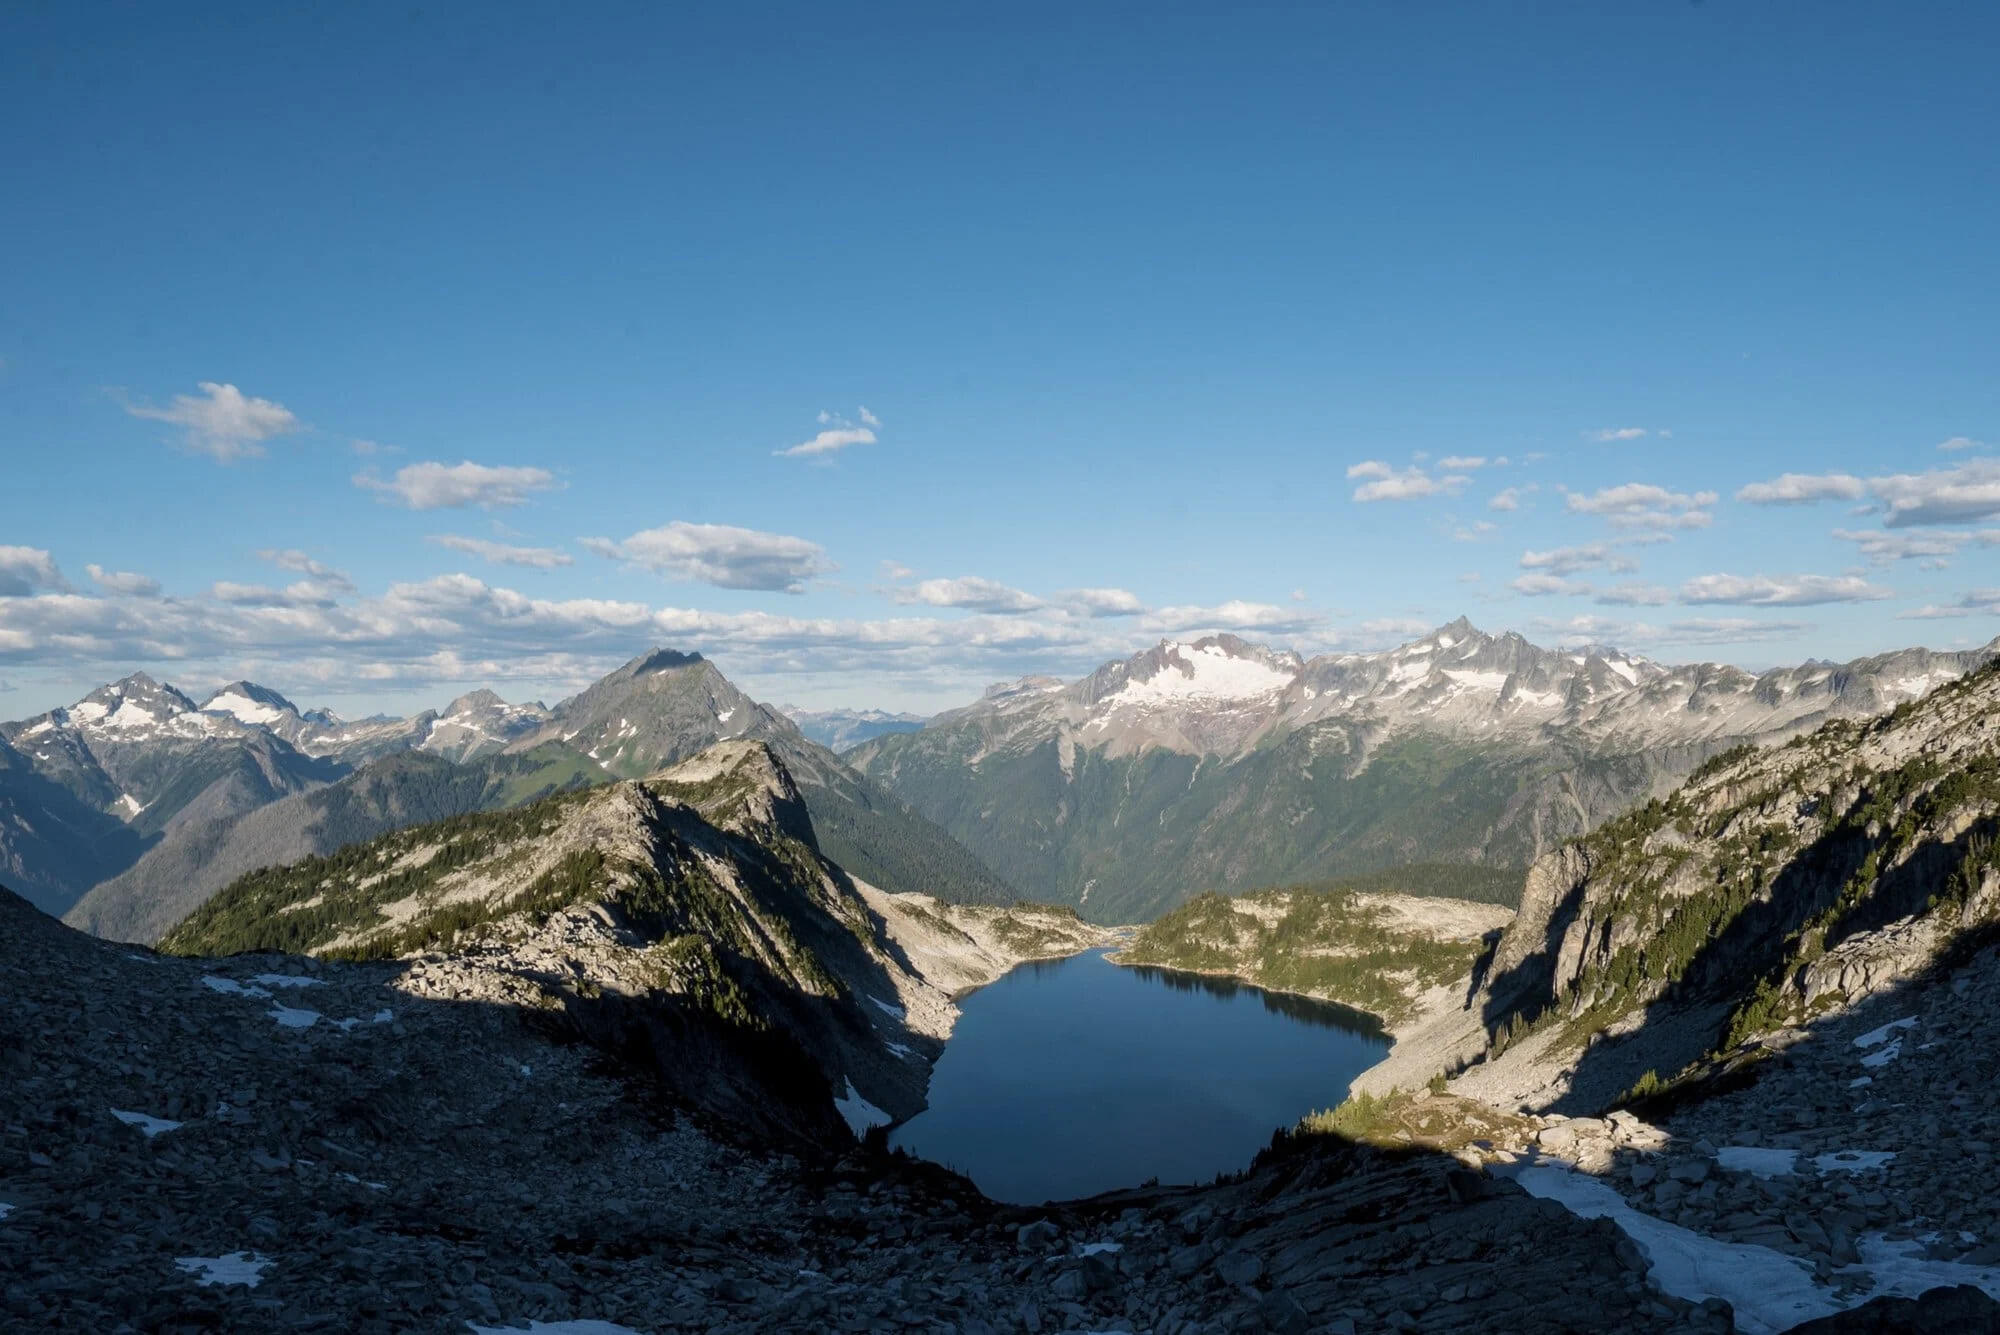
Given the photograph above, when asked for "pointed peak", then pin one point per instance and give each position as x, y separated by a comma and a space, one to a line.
139, 686
658, 660
1022, 686
250, 690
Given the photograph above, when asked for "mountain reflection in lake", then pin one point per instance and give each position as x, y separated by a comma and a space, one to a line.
1070, 1077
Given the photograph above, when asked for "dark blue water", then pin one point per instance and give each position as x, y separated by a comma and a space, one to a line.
1070, 1077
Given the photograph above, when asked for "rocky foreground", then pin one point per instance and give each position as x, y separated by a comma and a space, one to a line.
280, 1143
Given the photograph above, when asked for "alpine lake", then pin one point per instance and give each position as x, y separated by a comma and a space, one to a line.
1070, 1077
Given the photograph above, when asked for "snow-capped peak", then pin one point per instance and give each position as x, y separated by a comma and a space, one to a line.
134, 704
1213, 669
247, 702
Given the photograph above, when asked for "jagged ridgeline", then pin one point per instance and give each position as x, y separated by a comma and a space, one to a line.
1222, 765
651, 849
1776, 885
655, 712
689, 916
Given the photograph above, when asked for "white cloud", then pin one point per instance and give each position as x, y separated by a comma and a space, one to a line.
437, 486
895, 570
1380, 630
1641, 505
1974, 602
1401, 484
506, 554
1803, 488
1102, 602
303, 563
322, 583
1634, 594
1956, 495
1961, 443
970, 592
1611, 433
1882, 547
838, 434
1576, 632
1539, 586
124, 582
720, 554
1780, 590
27, 570
1455, 463
223, 422
1478, 530
1509, 498
1569, 560
1234, 615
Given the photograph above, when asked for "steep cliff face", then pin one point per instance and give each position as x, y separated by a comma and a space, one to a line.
1776, 885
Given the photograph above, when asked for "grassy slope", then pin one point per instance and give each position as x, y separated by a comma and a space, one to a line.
1316, 941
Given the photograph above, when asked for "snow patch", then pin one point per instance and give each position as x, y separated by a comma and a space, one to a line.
128, 806
5, 1209
1095, 1248
289, 1018
1756, 1161
1885, 1055
231, 987
285, 980
1209, 672
859, 1112
148, 1126
896, 1011
1876, 1036
1477, 681
243, 709
245, 1268
131, 716
1769, 1290
1853, 1161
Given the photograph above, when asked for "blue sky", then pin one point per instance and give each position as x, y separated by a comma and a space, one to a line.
316, 327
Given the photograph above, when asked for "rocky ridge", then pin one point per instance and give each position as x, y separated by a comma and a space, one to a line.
483, 754
1223, 765
690, 915
1778, 884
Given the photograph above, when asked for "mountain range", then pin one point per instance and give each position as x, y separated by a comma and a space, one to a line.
127, 809
1213, 764
1219, 764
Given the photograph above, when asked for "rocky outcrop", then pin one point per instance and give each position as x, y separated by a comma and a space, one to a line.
1777, 885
